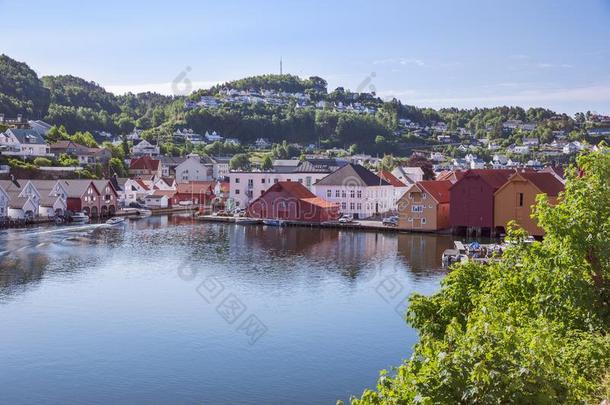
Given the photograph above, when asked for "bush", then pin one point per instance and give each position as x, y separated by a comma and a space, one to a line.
40, 161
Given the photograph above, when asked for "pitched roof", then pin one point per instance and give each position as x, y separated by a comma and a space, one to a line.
195, 187
300, 192
167, 193
171, 160
545, 182
496, 178
558, 170
453, 176
17, 202
439, 190
67, 144
76, 188
319, 165
101, 185
352, 175
26, 136
44, 187
9, 185
145, 163
390, 178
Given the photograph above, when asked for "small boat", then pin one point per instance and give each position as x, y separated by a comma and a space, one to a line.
274, 222
114, 221
80, 218
142, 212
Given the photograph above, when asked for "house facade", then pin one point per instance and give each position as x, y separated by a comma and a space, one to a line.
472, 199
53, 197
109, 197
358, 191
515, 199
145, 167
292, 201
408, 175
194, 169
23, 142
425, 206
83, 197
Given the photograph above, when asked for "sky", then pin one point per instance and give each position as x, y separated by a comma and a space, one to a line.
433, 53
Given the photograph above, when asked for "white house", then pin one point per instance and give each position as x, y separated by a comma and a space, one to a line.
53, 197
358, 191
144, 147
23, 142
213, 137
571, 148
408, 175
156, 200
20, 207
245, 187
262, 143
23, 189
194, 169
134, 190
40, 126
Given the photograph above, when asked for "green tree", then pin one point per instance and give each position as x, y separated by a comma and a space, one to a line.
267, 163
531, 328
241, 161
41, 161
117, 167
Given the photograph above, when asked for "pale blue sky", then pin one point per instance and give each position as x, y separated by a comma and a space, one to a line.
429, 53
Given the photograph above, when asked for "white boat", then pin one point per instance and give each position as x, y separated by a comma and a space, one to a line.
114, 221
142, 212
79, 218
274, 222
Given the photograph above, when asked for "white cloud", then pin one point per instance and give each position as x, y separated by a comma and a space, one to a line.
400, 61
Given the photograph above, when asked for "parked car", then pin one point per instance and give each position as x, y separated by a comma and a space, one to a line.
390, 221
345, 219
136, 205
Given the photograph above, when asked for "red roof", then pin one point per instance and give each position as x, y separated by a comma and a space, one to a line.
546, 182
145, 163
299, 191
438, 189
195, 187
390, 178
496, 178
168, 193
142, 184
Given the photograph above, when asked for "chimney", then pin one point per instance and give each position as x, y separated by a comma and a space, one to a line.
15, 182
19, 117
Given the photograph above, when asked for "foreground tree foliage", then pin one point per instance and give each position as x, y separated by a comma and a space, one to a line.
529, 329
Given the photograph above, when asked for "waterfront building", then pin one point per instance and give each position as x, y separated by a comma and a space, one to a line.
83, 197
425, 206
358, 191
472, 198
292, 201
514, 200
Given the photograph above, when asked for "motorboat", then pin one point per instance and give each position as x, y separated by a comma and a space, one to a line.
274, 222
79, 218
115, 221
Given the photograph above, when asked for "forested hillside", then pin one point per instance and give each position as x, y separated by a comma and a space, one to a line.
302, 111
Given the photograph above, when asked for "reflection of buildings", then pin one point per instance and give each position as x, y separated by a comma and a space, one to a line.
422, 252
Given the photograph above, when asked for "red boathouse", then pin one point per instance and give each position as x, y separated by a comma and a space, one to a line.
292, 201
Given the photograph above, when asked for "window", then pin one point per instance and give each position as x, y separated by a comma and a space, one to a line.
263, 181
343, 205
423, 220
337, 193
275, 181
329, 193
236, 191
417, 208
359, 193
423, 195
359, 206
352, 194
343, 194
520, 199
237, 180
308, 181
352, 206
250, 183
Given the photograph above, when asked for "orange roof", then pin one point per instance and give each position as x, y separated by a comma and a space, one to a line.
299, 191
142, 184
195, 187
390, 178
438, 189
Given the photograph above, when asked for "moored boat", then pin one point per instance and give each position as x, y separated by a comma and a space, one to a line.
79, 218
246, 221
115, 221
274, 222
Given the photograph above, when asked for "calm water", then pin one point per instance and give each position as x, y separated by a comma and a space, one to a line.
171, 311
